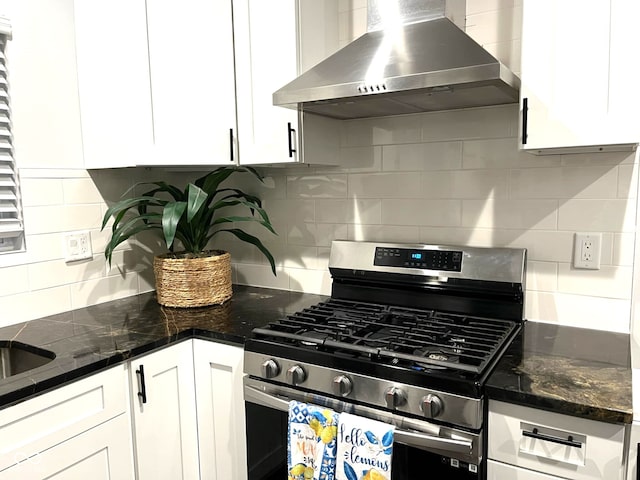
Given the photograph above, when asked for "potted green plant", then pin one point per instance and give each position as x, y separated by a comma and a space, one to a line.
190, 274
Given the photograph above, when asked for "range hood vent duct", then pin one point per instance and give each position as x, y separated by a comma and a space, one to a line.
414, 58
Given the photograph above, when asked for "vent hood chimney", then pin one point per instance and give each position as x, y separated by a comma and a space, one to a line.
414, 58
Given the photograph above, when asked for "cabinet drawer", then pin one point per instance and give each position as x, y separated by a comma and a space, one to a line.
42, 422
501, 471
556, 444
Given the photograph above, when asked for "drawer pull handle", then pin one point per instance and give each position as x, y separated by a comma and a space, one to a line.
549, 438
142, 394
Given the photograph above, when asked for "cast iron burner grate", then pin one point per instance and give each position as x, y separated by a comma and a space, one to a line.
414, 338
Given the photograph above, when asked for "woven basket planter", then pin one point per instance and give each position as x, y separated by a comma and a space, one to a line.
185, 280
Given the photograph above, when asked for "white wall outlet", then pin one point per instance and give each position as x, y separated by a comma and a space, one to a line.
77, 246
586, 250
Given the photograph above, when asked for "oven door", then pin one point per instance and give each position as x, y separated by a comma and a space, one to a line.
419, 446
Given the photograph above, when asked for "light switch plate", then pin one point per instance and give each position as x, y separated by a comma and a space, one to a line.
77, 246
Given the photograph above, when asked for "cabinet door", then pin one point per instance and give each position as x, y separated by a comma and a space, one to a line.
221, 420
113, 82
102, 453
192, 81
164, 418
569, 82
47, 420
266, 59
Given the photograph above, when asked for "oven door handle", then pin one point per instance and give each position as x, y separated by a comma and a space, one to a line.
410, 438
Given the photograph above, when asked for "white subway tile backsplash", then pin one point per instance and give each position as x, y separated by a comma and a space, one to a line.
474, 123
14, 280
627, 181
623, 249
597, 215
327, 232
93, 291
66, 218
309, 281
80, 190
422, 156
261, 276
316, 186
51, 274
384, 233
609, 281
542, 276
350, 210
41, 192
481, 6
421, 212
361, 159
510, 213
565, 182
388, 185
30, 305
466, 184
582, 311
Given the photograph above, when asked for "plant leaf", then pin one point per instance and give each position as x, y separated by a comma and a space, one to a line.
123, 234
170, 219
195, 199
245, 237
220, 220
118, 209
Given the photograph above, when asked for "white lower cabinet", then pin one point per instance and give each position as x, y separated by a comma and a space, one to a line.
177, 436
536, 444
81, 427
102, 453
220, 407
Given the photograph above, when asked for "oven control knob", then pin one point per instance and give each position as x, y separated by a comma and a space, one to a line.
342, 385
270, 369
296, 375
431, 406
395, 397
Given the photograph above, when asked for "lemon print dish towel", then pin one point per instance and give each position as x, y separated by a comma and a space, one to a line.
364, 449
312, 442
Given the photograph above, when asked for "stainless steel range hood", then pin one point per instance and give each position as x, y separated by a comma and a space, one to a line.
414, 58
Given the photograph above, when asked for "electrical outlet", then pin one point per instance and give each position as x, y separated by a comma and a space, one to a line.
77, 246
586, 251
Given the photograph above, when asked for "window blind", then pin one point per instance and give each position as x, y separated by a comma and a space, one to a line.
11, 225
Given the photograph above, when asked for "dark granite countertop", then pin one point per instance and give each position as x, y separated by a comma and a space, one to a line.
89, 339
568, 370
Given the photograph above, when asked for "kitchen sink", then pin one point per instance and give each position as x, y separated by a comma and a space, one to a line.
18, 358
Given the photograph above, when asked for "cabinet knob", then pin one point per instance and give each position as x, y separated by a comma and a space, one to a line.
431, 406
296, 375
342, 385
270, 368
395, 397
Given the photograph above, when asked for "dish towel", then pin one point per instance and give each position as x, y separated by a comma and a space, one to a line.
311, 452
364, 449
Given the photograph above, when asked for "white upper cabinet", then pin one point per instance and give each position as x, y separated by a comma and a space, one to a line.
266, 56
192, 81
156, 82
269, 52
113, 82
160, 82
578, 70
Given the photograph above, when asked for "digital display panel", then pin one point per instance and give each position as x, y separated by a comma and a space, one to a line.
442, 260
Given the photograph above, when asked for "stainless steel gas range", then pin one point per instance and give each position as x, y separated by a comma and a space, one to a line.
409, 336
